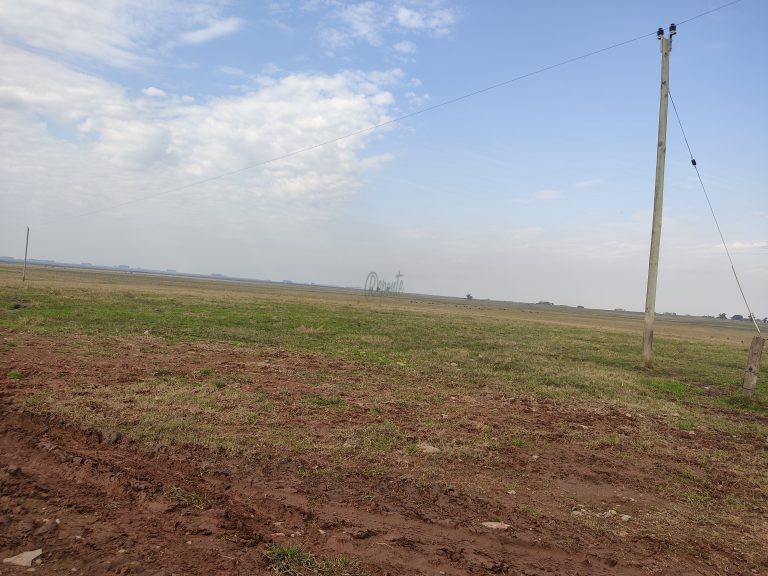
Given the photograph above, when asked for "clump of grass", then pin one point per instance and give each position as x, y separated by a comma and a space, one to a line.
292, 560
33, 401
741, 402
530, 510
14, 375
340, 566
185, 498
287, 559
733, 501
604, 441
219, 384
317, 400
686, 425
517, 442
7, 345
697, 498
668, 387
205, 372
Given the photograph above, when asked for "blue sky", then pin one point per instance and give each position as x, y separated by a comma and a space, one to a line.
538, 190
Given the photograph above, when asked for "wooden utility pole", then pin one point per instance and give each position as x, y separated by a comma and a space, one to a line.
753, 366
26, 248
658, 198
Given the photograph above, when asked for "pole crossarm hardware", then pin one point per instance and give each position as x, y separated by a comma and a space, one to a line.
658, 197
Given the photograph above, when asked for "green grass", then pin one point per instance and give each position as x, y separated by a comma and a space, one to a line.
669, 388
292, 560
14, 375
530, 510
323, 402
552, 360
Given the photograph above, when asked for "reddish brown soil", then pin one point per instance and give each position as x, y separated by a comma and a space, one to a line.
97, 503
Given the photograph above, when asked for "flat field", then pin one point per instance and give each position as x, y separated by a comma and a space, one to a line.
157, 425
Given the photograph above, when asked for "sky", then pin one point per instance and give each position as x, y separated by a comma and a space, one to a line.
148, 134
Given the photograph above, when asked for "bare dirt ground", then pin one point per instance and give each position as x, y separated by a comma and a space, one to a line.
100, 502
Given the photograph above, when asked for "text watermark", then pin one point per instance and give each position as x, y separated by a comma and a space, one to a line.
376, 287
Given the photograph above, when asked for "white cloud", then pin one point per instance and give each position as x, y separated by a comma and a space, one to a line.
745, 246
119, 148
118, 33
436, 20
106, 33
213, 30
153, 92
372, 22
405, 47
408, 18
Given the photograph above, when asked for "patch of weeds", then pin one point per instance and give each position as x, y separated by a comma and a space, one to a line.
292, 560
411, 449
734, 502
340, 566
686, 425
493, 443
373, 472
241, 378
686, 475
33, 401
432, 423
322, 402
299, 445
287, 559
7, 345
184, 497
304, 473
162, 373
365, 499
380, 437
530, 511
205, 372
668, 387
696, 498
517, 442
14, 375
605, 441
741, 402
219, 384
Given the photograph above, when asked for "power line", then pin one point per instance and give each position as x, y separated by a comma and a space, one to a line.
382, 124
712, 210
708, 12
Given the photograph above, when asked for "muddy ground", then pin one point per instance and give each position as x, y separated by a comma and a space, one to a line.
100, 501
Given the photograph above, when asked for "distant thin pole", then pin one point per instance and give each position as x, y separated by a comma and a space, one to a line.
26, 249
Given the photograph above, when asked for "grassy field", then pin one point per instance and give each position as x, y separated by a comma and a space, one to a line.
533, 410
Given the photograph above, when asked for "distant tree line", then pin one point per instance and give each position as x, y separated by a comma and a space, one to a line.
748, 317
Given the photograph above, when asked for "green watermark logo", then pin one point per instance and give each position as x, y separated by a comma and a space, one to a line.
376, 287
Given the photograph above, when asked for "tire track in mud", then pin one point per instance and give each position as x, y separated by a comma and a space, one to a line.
128, 508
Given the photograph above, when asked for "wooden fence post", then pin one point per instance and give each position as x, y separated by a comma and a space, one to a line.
753, 366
